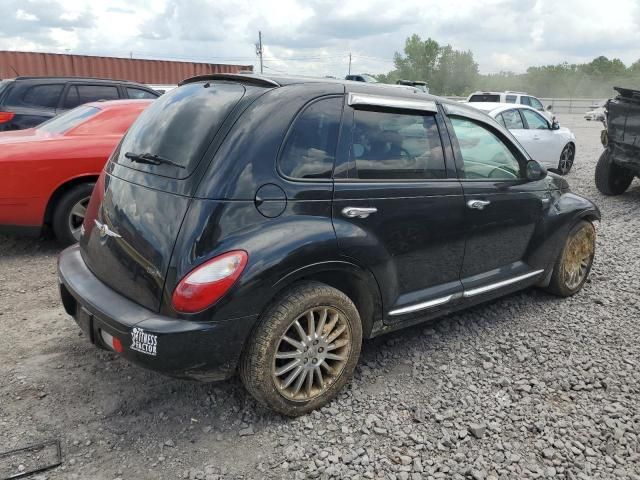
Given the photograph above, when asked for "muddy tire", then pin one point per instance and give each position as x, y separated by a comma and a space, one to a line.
574, 263
69, 212
611, 179
303, 350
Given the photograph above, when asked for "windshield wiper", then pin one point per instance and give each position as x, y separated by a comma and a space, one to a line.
151, 159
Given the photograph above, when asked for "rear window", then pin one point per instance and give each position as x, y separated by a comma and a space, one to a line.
178, 127
41, 96
68, 120
484, 97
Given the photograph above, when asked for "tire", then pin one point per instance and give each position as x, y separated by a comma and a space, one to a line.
69, 213
577, 255
611, 179
259, 366
566, 159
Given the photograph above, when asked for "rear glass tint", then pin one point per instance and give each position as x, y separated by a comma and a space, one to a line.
484, 97
179, 126
68, 120
46, 96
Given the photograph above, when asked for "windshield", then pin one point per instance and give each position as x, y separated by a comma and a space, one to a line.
484, 97
178, 128
68, 120
369, 78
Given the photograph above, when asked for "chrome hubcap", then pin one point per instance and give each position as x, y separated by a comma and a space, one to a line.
311, 354
578, 256
76, 217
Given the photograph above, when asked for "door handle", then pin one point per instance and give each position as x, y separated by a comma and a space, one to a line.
358, 212
536, 137
478, 204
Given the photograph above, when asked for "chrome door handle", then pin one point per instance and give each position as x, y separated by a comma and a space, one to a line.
478, 204
358, 212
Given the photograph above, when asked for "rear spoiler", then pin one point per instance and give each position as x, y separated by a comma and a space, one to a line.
628, 93
246, 78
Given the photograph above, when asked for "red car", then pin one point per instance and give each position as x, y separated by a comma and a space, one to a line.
47, 173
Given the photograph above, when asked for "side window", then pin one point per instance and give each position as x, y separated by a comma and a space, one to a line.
535, 103
524, 100
500, 120
46, 96
310, 148
484, 154
513, 120
138, 93
535, 120
511, 99
80, 94
395, 146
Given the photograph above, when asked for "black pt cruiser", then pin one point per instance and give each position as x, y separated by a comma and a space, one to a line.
268, 225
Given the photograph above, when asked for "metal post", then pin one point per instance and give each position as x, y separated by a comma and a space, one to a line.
349, 63
260, 48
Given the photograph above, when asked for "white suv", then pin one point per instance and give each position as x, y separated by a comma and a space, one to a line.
511, 97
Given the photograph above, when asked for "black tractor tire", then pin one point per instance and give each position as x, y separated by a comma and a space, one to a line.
611, 179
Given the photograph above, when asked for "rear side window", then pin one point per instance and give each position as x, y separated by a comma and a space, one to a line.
179, 126
68, 120
80, 94
511, 99
524, 100
138, 93
46, 96
484, 97
309, 151
512, 120
395, 146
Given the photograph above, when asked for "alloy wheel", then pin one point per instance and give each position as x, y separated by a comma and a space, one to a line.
76, 217
578, 256
311, 354
566, 159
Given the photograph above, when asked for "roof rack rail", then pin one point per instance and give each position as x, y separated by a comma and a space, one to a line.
251, 79
70, 77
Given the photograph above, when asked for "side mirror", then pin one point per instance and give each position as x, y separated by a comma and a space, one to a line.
549, 107
555, 125
535, 171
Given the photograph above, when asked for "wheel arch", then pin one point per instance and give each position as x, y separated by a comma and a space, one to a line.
357, 283
59, 192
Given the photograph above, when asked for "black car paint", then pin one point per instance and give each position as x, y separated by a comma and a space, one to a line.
622, 134
28, 116
377, 263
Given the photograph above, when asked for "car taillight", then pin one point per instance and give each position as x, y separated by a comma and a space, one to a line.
206, 284
6, 116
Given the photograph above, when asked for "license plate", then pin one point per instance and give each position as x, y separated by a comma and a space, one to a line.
84, 320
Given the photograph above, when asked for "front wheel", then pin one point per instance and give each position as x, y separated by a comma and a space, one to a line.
611, 179
304, 350
566, 159
574, 263
69, 213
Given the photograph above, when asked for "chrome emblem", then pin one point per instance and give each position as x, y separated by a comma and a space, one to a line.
105, 231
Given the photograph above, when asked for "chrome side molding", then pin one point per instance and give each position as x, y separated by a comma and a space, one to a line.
494, 286
365, 99
421, 306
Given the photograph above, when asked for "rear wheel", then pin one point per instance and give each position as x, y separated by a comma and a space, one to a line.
611, 179
574, 263
566, 159
69, 213
304, 350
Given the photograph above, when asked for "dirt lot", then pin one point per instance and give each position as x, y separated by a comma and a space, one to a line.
529, 386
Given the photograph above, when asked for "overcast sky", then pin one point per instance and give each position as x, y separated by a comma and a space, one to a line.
315, 37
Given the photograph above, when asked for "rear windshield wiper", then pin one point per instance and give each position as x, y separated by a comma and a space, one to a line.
151, 159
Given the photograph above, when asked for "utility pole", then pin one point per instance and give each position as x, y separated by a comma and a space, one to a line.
349, 63
259, 49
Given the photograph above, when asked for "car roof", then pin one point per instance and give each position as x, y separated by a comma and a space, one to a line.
275, 81
497, 107
72, 79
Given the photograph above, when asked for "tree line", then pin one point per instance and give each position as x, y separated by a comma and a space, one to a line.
455, 73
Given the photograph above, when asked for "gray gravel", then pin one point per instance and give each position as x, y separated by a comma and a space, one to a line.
530, 386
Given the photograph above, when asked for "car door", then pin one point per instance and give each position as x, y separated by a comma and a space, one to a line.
398, 209
513, 121
504, 211
545, 145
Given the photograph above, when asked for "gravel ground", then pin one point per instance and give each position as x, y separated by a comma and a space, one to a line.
530, 386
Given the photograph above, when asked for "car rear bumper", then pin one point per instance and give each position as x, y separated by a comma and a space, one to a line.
205, 351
